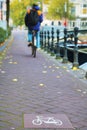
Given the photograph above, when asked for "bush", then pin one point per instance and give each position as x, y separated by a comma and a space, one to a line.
2, 35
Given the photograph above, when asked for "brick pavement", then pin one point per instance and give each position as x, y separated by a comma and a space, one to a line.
40, 85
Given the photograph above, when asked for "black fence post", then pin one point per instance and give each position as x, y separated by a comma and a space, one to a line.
65, 58
75, 63
41, 39
57, 46
52, 46
48, 45
44, 40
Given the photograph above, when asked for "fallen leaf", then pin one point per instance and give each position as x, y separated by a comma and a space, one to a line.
44, 71
64, 67
12, 128
50, 66
57, 67
2, 72
58, 77
10, 62
53, 70
14, 80
75, 68
79, 90
84, 92
14, 62
41, 85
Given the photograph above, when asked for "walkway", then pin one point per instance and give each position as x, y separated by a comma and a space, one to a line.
40, 85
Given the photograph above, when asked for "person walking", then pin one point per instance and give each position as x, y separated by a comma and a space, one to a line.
33, 22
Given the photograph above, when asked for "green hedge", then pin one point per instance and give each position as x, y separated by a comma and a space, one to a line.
4, 34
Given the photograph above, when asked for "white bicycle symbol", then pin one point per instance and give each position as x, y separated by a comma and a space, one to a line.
48, 120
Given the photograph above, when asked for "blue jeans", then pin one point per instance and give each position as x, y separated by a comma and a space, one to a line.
37, 38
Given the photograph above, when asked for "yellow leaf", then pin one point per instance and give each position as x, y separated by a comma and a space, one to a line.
15, 62
14, 80
50, 66
75, 68
41, 85
57, 67
58, 77
10, 62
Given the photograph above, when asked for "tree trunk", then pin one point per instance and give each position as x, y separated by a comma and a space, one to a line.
8, 10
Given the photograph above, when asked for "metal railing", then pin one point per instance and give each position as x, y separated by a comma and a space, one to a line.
53, 42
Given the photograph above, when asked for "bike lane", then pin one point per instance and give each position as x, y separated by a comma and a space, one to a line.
38, 85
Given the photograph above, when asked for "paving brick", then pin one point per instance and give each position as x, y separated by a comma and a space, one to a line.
43, 85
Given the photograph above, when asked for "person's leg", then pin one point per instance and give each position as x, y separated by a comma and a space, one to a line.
38, 39
29, 37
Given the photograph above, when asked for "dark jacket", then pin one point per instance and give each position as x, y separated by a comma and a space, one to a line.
37, 26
